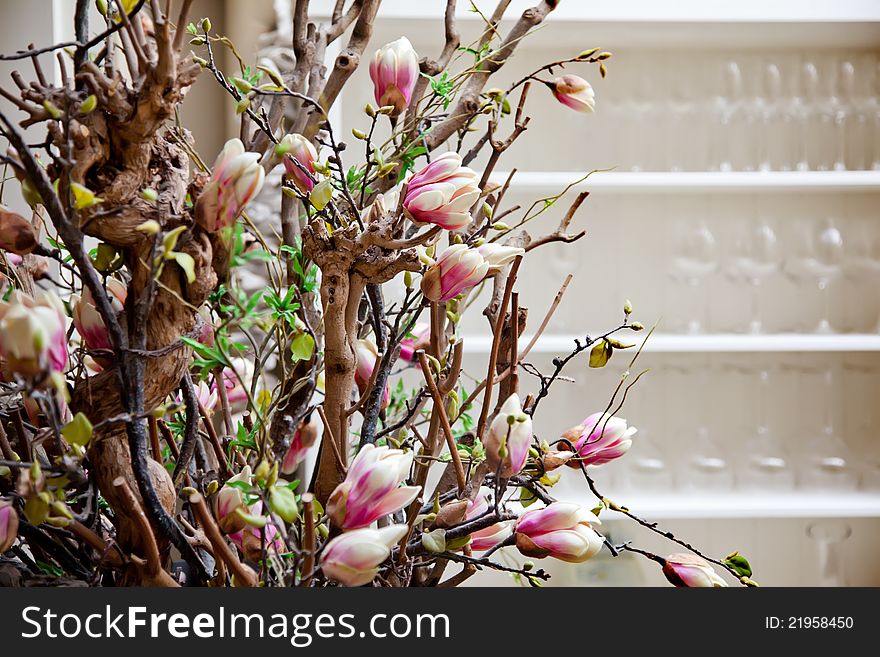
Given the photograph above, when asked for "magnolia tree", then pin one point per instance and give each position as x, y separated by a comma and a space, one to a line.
157, 419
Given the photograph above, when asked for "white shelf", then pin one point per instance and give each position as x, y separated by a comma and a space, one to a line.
717, 342
750, 505
696, 182
689, 11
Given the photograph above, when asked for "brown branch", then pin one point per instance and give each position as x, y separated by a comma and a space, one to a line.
309, 546
244, 576
440, 409
496, 340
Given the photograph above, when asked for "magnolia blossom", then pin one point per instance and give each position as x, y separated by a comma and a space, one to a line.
575, 92
486, 539
353, 558
230, 499
296, 147
238, 381
421, 337
372, 487
32, 334
250, 539
8, 525
509, 438
498, 255
235, 179
87, 319
599, 439
442, 193
367, 360
561, 530
457, 270
689, 570
303, 439
394, 71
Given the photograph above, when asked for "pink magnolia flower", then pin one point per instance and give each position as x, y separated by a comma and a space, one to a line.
457, 270
599, 439
249, 539
235, 179
14, 259
367, 360
442, 193
296, 147
372, 487
689, 570
498, 255
303, 439
87, 319
238, 380
230, 498
509, 438
421, 337
32, 334
574, 92
394, 71
353, 559
561, 530
486, 539
8, 525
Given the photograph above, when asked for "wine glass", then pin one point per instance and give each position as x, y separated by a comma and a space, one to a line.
829, 537
828, 464
819, 258
862, 269
707, 467
695, 258
775, 122
755, 255
768, 465
731, 135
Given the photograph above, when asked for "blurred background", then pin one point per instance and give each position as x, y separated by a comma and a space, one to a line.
736, 207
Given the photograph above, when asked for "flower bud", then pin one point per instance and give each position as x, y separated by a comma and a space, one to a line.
367, 360
509, 438
442, 193
486, 539
8, 525
296, 147
394, 72
87, 319
599, 439
421, 337
235, 179
575, 92
32, 334
371, 488
457, 270
230, 500
303, 439
561, 530
689, 570
353, 558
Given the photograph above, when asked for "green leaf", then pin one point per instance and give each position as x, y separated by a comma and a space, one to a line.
302, 347
187, 263
740, 564
78, 431
321, 194
600, 353
283, 502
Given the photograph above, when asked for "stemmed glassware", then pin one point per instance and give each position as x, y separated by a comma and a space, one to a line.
695, 258
755, 255
829, 537
819, 257
647, 468
707, 467
768, 466
827, 460
862, 268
